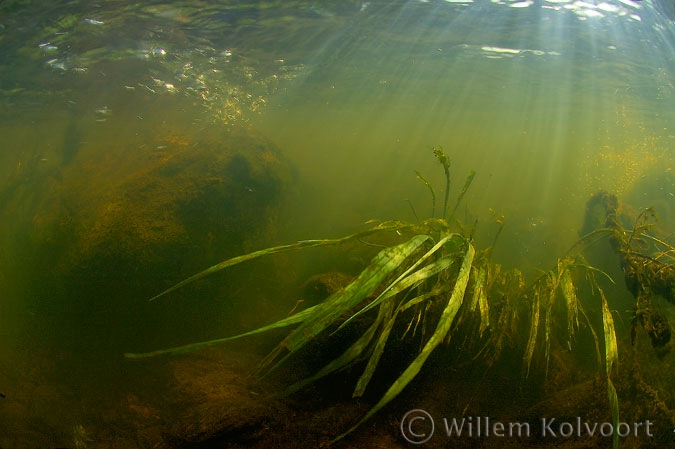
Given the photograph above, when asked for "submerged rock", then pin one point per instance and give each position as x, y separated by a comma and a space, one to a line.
168, 206
126, 219
320, 286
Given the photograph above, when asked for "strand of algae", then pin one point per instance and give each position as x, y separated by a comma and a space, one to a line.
445, 162
431, 190
465, 188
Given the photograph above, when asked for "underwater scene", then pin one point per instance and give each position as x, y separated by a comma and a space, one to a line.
346, 224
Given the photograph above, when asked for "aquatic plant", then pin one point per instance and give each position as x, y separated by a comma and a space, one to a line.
433, 274
647, 275
81, 437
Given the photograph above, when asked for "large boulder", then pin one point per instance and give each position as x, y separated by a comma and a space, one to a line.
164, 207
95, 236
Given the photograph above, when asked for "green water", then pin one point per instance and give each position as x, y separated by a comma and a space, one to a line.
548, 102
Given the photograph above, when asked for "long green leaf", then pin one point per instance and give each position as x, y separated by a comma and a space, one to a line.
611, 360
479, 299
375, 355
571, 302
548, 322
278, 249
293, 319
611, 348
534, 328
380, 268
239, 259
442, 329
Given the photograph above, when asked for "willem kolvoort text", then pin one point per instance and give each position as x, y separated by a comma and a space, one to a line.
482, 426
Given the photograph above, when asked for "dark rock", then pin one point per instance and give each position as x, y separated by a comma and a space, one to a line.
165, 208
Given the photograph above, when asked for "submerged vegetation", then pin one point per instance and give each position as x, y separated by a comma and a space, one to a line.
433, 284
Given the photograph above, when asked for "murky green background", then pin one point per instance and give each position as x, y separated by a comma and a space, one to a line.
547, 101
